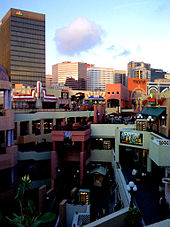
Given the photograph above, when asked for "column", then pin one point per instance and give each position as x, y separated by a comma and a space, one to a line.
12, 175
6, 99
117, 142
12, 136
82, 162
18, 130
8, 142
9, 99
41, 127
29, 127
54, 121
149, 164
95, 114
54, 146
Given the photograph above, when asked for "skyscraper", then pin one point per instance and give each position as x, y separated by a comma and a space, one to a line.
139, 70
72, 74
22, 46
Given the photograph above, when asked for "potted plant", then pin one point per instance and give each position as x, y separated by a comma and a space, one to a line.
28, 215
134, 218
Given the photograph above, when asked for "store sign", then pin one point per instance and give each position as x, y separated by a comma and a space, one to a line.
151, 101
67, 136
131, 138
19, 13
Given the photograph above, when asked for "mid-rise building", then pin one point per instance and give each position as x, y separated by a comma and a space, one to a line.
72, 74
22, 46
139, 70
157, 74
97, 78
120, 77
48, 81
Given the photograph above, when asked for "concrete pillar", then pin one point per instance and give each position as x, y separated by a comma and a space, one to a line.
82, 162
54, 121
149, 164
66, 120
41, 127
117, 141
53, 167
30, 127
54, 146
9, 99
95, 114
18, 129
75, 120
8, 138
12, 175
100, 113
6, 99
12, 136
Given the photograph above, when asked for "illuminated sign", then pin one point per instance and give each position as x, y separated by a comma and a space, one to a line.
131, 138
19, 13
84, 196
151, 101
67, 136
96, 97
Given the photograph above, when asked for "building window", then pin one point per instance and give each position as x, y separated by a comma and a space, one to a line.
112, 92
108, 92
117, 92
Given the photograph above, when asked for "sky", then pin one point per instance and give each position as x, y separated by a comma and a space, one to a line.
107, 33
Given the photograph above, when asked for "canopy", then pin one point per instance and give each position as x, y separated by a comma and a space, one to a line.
153, 111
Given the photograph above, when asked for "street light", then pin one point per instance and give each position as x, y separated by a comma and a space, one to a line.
139, 116
150, 120
131, 187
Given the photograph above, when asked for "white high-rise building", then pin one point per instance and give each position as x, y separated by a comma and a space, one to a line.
98, 77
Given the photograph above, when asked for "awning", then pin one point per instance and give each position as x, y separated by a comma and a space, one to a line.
153, 111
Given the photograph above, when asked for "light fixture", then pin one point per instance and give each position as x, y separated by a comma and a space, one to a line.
140, 116
150, 118
131, 187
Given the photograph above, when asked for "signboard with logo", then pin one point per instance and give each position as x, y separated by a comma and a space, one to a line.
131, 138
151, 101
64, 94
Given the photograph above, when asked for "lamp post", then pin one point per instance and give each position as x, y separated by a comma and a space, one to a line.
131, 187
139, 116
150, 120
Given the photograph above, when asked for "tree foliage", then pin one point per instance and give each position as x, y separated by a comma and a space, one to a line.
29, 216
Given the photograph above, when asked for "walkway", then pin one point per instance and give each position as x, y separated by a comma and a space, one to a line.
147, 198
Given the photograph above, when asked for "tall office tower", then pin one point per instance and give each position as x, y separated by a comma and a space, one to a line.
120, 77
97, 78
157, 74
22, 46
139, 70
72, 74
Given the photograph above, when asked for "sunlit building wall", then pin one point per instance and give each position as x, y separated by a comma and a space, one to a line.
71, 71
97, 78
139, 70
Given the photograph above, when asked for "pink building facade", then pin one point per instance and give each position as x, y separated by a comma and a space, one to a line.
117, 95
8, 151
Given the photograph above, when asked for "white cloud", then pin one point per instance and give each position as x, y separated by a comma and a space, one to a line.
81, 35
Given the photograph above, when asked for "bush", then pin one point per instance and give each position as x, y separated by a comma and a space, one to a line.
134, 218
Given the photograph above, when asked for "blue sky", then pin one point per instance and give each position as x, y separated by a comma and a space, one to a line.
106, 33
